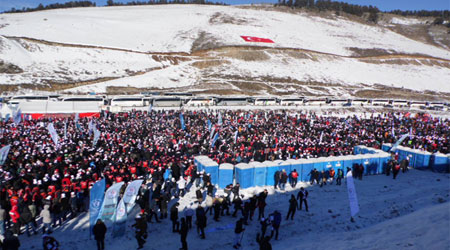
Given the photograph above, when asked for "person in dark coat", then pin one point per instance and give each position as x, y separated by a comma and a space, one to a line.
292, 207
276, 222
99, 232
340, 175
183, 234
253, 201
174, 217
396, 170
302, 196
27, 220
264, 242
201, 221
141, 230
238, 230
276, 178
10, 242
262, 203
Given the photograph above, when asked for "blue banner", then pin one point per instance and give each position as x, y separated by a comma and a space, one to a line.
213, 141
110, 202
398, 142
17, 116
209, 125
129, 197
95, 203
4, 154
120, 220
183, 126
220, 119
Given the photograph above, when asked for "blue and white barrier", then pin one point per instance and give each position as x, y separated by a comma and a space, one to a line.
375, 161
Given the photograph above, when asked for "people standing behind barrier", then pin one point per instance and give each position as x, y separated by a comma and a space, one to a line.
294, 178
302, 197
340, 175
283, 179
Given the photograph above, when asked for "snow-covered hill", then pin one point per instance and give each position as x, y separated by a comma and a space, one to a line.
199, 48
412, 212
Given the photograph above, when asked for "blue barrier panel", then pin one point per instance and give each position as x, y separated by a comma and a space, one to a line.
328, 164
245, 175
225, 174
338, 163
319, 163
307, 166
440, 163
295, 164
402, 153
211, 167
422, 159
357, 159
373, 163
386, 147
272, 168
366, 163
259, 173
198, 160
286, 165
348, 162
383, 162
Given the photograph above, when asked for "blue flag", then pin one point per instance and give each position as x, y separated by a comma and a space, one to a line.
220, 119
17, 117
236, 136
399, 142
183, 126
209, 125
96, 201
213, 141
4, 154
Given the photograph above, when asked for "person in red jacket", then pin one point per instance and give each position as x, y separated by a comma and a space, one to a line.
14, 214
294, 178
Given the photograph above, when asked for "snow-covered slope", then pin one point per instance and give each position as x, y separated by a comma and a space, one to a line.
412, 212
199, 48
174, 28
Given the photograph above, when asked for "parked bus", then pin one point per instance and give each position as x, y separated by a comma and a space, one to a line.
129, 101
266, 101
233, 101
200, 101
167, 102
291, 101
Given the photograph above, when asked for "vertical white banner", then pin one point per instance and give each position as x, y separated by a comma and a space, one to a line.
353, 199
53, 134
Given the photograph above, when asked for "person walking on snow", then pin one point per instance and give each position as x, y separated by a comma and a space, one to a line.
302, 196
99, 231
292, 207
238, 231
183, 234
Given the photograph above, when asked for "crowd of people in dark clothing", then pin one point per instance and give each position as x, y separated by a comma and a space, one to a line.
44, 184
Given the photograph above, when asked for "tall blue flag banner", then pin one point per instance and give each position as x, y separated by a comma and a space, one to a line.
108, 209
96, 135
209, 125
236, 135
399, 142
220, 118
53, 134
17, 116
129, 198
91, 127
95, 202
4, 154
353, 199
213, 141
120, 220
183, 126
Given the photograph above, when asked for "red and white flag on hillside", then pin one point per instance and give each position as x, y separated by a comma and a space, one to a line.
257, 39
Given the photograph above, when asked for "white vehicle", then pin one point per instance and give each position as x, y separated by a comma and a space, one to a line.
400, 103
360, 102
84, 99
291, 101
418, 104
129, 101
200, 101
233, 101
380, 102
316, 102
340, 102
266, 101
167, 102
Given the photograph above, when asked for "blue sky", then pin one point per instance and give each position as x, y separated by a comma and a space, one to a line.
384, 5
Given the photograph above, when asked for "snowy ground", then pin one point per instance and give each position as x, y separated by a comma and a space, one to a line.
412, 212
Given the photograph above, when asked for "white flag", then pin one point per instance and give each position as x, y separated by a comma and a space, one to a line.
96, 135
65, 129
321, 136
53, 134
354, 207
4, 154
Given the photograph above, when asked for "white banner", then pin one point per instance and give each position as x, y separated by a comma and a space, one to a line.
131, 193
354, 207
96, 135
53, 133
4, 154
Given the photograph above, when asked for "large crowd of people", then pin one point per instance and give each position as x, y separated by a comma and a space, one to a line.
41, 179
